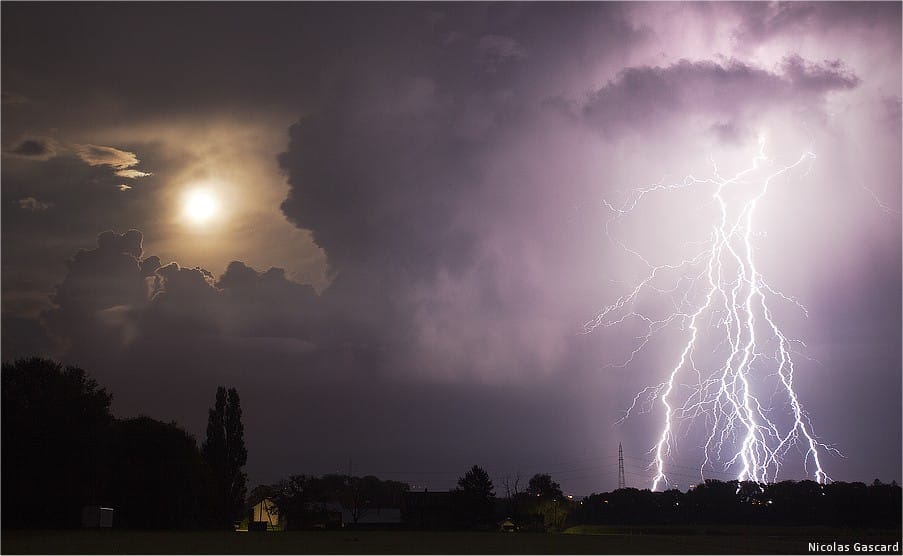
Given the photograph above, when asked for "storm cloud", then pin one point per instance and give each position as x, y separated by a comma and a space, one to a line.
438, 174
114, 284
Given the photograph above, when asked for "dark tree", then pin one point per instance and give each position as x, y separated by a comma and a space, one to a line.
542, 485
545, 504
476, 497
356, 496
293, 498
361, 495
477, 483
236, 453
158, 479
54, 439
715, 501
225, 453
515, 498
796, 503
214, 447
304, 500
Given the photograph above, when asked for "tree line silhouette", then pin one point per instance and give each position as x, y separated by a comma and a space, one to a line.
836, 504
63, 450
306, 502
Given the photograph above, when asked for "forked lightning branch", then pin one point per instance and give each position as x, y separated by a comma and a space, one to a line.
732, 374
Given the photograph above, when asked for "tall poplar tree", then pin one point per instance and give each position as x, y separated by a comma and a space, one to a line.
225, 453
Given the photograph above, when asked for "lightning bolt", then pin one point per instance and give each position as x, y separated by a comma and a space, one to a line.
719, 295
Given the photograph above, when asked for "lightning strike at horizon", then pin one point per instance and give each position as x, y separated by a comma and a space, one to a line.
732, 350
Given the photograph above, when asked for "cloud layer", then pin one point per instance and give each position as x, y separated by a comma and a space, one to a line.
450, 165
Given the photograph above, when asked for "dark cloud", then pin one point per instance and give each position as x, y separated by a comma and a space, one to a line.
150, 265
271, 288
267, 305
646, 97
36, 148
430, 218
390, 185
183, 284
381, 221
436, 221
128, 243
389, 166
817, 79
184, 301
101, 282
112, 291
81, 197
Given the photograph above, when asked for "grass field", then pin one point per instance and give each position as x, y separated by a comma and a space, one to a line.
580, 540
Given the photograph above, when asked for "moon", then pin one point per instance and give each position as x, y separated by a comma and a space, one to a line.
200, 206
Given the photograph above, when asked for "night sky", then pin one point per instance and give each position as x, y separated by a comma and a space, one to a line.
385, 223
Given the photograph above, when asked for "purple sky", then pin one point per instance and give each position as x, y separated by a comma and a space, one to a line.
409, 231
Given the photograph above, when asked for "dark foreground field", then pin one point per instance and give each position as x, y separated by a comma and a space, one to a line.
583, 540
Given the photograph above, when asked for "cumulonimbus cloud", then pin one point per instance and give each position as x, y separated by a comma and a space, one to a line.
153, 300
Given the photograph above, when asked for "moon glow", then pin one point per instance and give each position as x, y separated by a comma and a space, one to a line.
200, 206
